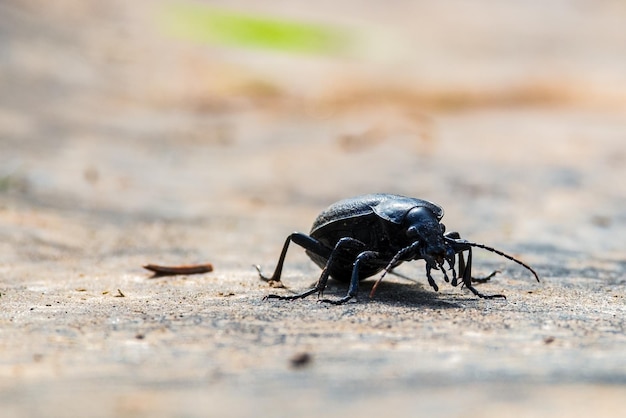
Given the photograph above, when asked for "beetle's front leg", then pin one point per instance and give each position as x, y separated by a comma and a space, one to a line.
456, 236
467, 278
473, 279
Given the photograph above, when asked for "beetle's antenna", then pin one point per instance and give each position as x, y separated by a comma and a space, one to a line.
493, 250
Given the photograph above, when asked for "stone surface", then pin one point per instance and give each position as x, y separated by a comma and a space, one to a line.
120, 146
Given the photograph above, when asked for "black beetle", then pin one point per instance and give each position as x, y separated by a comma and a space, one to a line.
358, 237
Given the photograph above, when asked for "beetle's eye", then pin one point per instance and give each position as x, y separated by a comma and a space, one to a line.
411, 232
443, 228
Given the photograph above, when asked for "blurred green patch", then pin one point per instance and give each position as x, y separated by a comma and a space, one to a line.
206, 24
5, 183
10, 182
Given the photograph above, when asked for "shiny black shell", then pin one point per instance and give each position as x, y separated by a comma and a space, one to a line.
375, 220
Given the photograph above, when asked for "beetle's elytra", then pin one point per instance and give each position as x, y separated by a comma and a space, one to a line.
358, 237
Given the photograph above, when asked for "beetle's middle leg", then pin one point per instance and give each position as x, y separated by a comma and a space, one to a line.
354, 280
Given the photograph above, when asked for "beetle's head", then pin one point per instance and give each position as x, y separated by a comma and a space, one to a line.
423, 226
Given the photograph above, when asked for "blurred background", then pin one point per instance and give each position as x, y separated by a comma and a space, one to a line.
187, 131
250, 117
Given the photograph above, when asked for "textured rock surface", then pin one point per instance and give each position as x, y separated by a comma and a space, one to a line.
120, 147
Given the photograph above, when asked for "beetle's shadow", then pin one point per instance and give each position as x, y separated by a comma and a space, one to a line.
407, 293
398, 290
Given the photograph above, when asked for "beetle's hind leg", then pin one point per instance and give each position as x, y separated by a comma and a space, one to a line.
318, 288
323, 280
305, 241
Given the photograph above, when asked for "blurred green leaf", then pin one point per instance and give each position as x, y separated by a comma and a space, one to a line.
205, 24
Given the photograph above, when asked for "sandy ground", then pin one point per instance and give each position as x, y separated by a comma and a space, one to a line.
120, 146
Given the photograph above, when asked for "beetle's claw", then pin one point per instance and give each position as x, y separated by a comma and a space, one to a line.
445, 275
270, 281
337, 301
279, 297
431, 281
261, 275
452, 269
292, 297
482, 296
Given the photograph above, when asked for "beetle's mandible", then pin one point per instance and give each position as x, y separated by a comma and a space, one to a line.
358, 237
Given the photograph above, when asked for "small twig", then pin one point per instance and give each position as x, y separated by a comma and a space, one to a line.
178, 270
